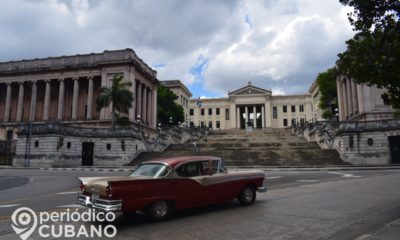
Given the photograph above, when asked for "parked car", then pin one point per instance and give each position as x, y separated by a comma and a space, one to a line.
160, 186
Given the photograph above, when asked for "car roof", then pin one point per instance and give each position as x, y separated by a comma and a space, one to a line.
173, 161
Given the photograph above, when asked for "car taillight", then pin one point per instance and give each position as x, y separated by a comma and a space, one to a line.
109, 191
82, 187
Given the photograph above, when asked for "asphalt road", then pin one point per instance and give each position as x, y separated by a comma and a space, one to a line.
299, 205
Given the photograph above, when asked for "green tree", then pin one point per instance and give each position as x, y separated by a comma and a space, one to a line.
373, 54
327, 87
119, 95
166, 107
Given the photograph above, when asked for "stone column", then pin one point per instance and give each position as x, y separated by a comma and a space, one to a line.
75, 99
254, 117
354, 96
263, 117
46, 101
90, 99
144, 105
349, 98
344, 94
247, 116
154, 107
149, 107
8, 103
60, 113
33, 102
20, 101
139, 100
238, 117
340, 98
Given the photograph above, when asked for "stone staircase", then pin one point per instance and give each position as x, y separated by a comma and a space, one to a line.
268, 147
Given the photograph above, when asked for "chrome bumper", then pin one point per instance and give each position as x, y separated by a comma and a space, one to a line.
100, 204
262, 189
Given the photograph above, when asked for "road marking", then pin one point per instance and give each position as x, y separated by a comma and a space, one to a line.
9, 205
70, 206
273, 177
345, 175
3, 178
308, 180
64, 193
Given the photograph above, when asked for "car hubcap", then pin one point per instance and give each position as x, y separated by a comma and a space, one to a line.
248, 195
160, 209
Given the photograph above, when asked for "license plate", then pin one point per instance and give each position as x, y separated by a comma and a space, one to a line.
95, 196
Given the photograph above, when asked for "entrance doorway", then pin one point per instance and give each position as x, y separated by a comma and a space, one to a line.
394, 144
87, 153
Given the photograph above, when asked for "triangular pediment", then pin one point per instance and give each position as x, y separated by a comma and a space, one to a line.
249, 90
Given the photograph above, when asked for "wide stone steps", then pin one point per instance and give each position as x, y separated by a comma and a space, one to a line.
274, 147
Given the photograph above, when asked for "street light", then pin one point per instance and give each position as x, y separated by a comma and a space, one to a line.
138, 121
170, 121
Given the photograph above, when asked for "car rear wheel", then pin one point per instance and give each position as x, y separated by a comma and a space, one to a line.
247, 196
159, 211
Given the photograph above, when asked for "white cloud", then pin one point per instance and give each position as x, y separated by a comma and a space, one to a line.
276, 44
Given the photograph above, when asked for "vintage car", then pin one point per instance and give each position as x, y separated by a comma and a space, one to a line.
159, 186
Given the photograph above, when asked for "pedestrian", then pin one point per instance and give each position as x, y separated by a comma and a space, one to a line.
195, 149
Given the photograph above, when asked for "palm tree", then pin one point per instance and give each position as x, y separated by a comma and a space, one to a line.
119, 95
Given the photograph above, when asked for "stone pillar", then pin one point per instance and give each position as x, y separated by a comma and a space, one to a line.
90, 99
60, 113
8, 103
354, 96
20, 101
349, 98
33, 102
46, 101
247, 116
132, 110
139, 100
144, 105
149, 107
268, 113
344, 94
238, 117
263, 116
254, 117
75, 99
340, 98
154, 107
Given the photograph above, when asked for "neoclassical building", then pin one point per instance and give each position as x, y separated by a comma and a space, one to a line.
183, 94
65, 89
47, 106
251, 107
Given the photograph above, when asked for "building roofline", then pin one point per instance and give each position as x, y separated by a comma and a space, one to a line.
176, 83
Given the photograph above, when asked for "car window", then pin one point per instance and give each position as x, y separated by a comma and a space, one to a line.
191, 169
151, 170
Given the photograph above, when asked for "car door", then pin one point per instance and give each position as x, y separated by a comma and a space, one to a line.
189, 191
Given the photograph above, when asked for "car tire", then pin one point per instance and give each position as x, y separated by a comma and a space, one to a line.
159, 211
247, 196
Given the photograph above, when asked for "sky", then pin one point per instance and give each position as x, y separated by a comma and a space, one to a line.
212, 46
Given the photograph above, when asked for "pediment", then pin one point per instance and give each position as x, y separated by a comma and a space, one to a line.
249, 90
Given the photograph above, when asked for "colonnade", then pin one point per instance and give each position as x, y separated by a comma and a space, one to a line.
145, 98
348, 99
248, 109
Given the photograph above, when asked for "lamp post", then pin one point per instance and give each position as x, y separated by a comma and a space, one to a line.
159, 129
170, 121
138, 122
337, 114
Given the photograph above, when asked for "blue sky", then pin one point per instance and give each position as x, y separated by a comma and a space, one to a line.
211, 46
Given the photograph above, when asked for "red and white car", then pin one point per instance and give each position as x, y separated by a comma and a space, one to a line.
160, 186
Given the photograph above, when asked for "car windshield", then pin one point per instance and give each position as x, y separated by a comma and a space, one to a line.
151, 170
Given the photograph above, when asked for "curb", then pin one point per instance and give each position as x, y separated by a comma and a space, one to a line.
232, 168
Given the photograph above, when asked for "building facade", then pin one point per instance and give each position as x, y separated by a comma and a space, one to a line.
316, 96
183, 94
61, 92
251, 107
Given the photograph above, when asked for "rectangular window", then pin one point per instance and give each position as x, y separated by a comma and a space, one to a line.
227, 114
293, 108
218, 124
210, 111
293, 121
191, 124
191, 112
285, 122
301, 108
284, 108
202, 112
210, 124
202, 124
217, 111
275, 112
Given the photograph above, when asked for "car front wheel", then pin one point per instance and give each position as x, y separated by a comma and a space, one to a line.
247, 196
159, 211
